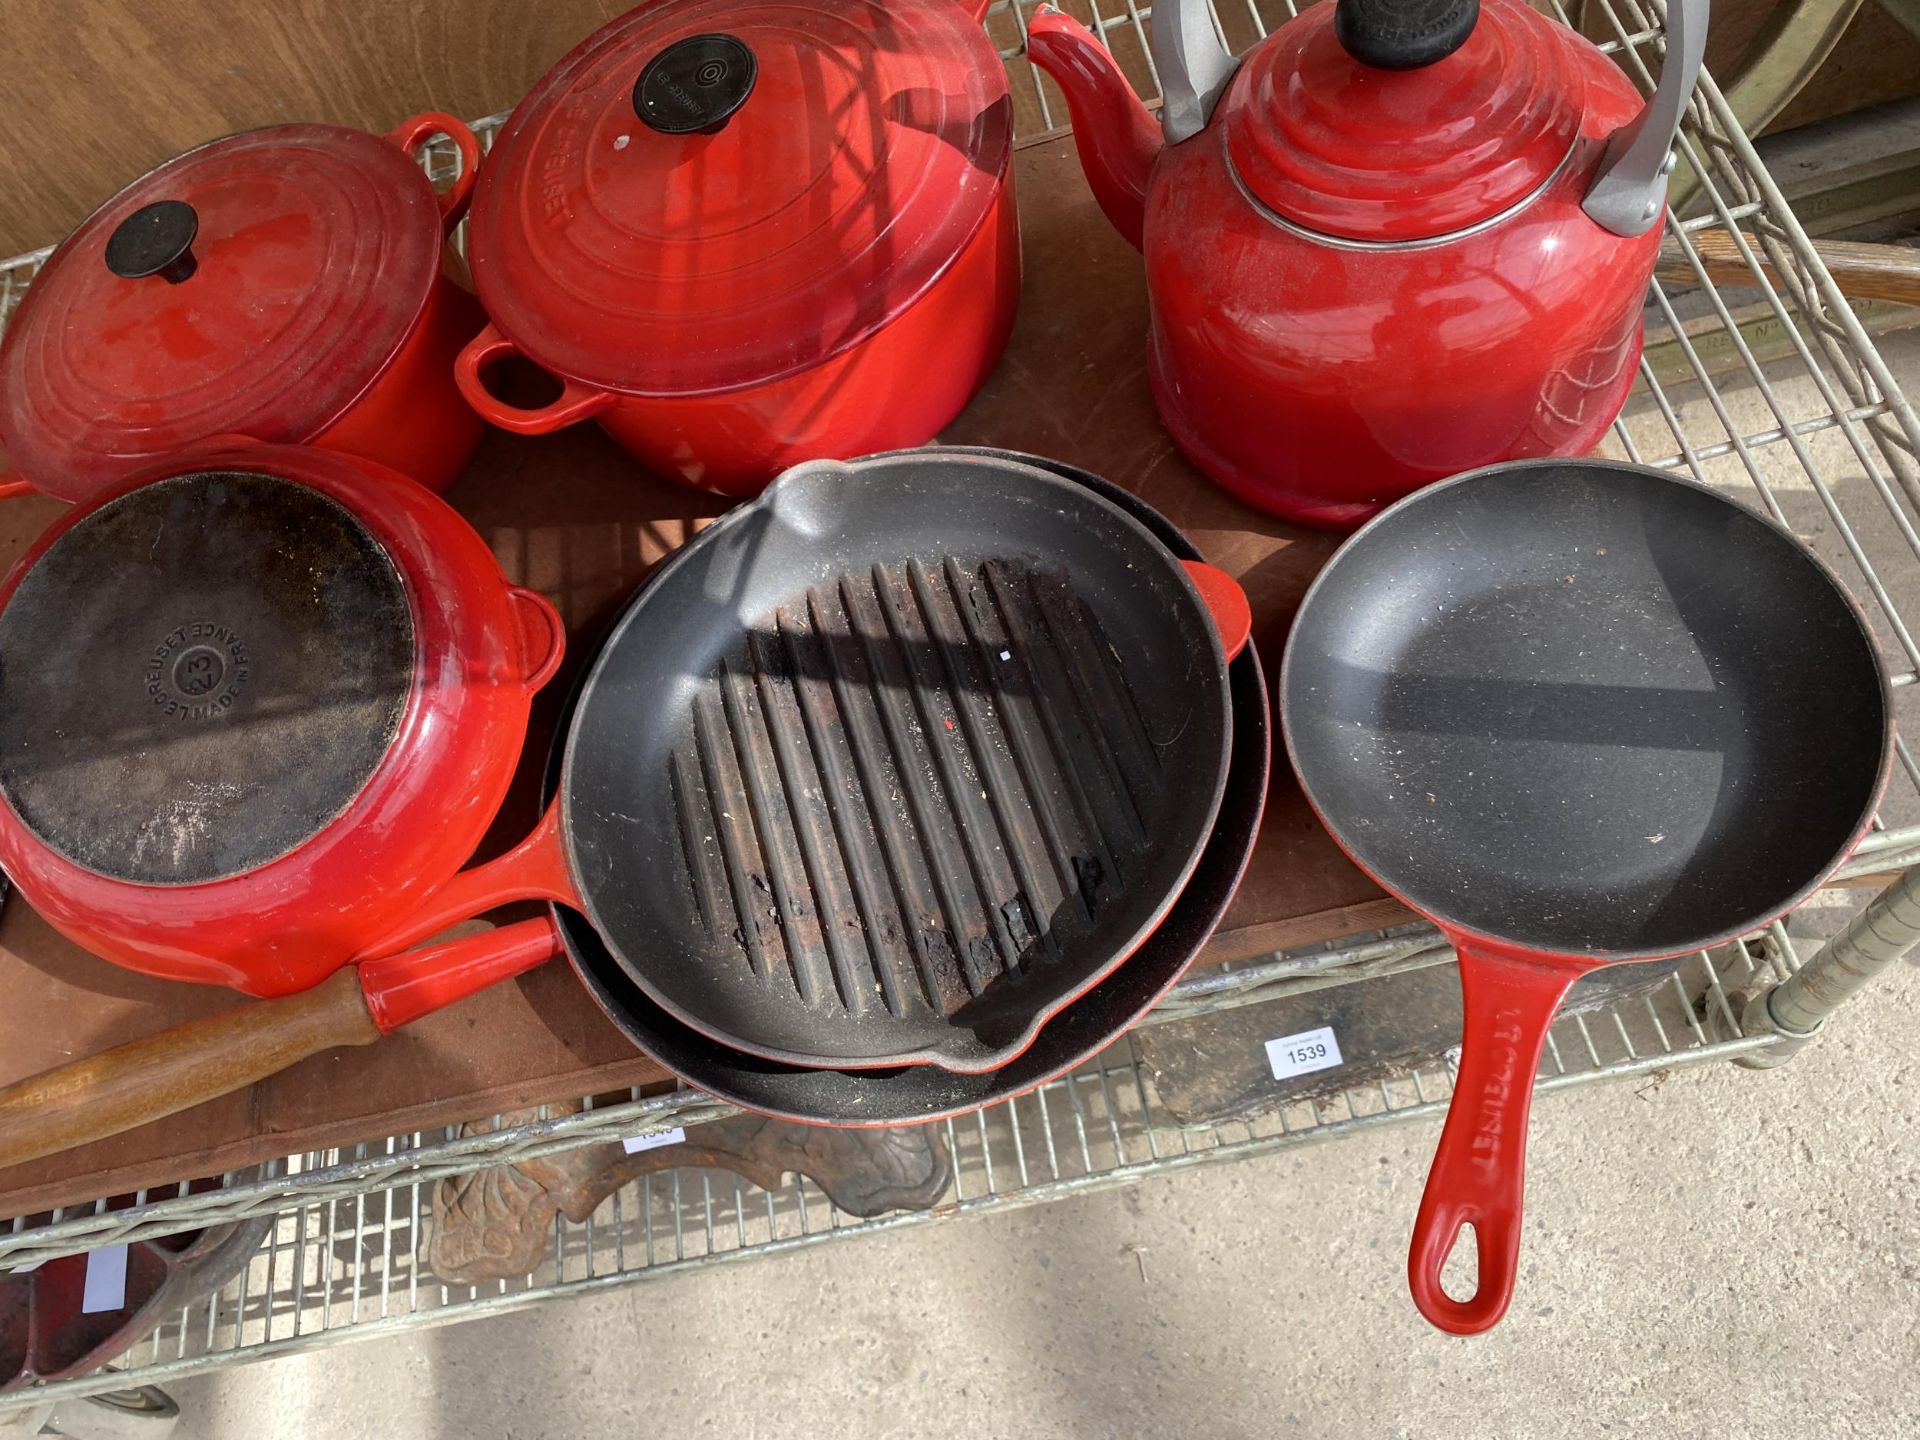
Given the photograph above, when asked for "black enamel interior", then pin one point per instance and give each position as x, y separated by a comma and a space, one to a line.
906, 1094
1586, 707
906, 827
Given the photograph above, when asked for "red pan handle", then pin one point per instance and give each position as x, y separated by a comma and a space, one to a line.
1226, 604
401, 988
535, 869
1479, 1172
410, 134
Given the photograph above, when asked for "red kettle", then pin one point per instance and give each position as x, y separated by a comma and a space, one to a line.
1396, 240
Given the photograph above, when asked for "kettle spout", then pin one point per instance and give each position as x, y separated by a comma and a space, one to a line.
1117, 139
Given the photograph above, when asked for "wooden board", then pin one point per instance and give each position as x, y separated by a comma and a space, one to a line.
570, 516
100, 92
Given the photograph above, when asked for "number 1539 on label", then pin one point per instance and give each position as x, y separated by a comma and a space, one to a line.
1304, 1053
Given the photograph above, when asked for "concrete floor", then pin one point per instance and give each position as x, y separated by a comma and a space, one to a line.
1726, 1253
1729, 1253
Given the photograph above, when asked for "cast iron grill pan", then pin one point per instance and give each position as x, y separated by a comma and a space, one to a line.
905, 1094
892, 763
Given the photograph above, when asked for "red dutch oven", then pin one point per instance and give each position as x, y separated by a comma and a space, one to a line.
745, 236
284, 284
255, 706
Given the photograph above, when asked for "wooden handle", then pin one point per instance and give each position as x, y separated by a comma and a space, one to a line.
1862, 271
147, 1080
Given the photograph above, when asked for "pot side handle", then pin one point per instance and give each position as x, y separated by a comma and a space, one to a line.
147, 1080
1629, 190
576, 402
409, 135
1226, 605
1479, 1170
543, 635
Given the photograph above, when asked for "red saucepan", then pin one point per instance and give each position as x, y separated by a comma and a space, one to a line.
257, 704
742, 236
1577, 713
841, 785
284, 284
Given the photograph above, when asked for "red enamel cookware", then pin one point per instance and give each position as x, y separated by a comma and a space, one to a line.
1578, 714
1396, 240
282, 284
255, 704
745, 236
841, 785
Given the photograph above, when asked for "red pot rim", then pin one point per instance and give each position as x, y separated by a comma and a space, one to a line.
313, 251
866, 147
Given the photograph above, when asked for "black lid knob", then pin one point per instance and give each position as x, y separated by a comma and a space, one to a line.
1403, 34
694, 85
156, 239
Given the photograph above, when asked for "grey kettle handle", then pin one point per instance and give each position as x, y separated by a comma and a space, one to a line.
1630, 189
1194, 66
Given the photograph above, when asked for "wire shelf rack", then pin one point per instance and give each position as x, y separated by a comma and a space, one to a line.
348, 1255
1810, 428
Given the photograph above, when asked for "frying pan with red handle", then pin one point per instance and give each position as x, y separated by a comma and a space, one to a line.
1577, 713
815, 661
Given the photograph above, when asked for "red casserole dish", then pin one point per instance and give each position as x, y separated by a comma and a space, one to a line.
256, 705
286, 285
742, 237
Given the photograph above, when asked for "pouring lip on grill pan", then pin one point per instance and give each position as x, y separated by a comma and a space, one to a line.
992, 1020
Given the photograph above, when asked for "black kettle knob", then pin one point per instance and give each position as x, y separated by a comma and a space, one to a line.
156, 239
694, 85
1403, 34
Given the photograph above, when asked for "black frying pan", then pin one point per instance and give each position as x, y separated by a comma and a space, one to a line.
887, 766
1576, 713
909, 1094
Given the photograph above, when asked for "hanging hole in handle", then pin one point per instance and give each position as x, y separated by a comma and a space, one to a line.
1460, 1272
515, 380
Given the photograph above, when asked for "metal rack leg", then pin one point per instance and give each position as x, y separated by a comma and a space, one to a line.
1795, 1009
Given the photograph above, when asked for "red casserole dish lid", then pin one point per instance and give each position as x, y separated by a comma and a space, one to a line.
711, 195
255, 285
1354, 150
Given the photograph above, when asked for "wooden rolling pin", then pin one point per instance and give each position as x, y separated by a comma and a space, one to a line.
1863, 271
